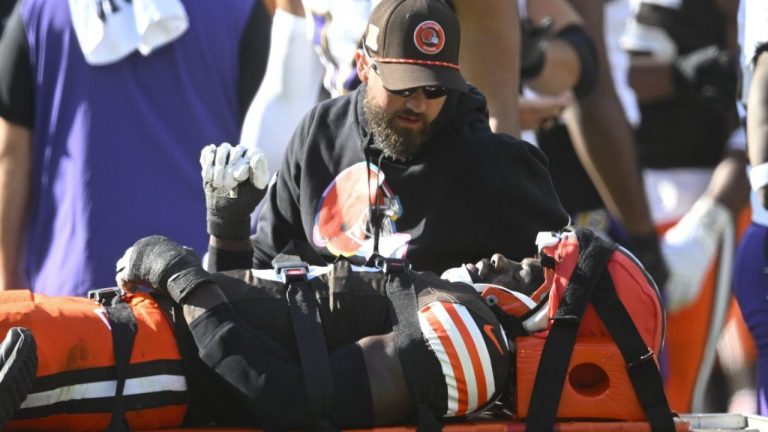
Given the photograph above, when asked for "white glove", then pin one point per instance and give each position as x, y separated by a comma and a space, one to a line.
689, 249
224, 167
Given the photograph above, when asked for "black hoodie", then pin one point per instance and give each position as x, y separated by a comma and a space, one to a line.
469, 194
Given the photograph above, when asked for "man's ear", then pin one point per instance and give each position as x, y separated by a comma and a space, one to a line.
362, 65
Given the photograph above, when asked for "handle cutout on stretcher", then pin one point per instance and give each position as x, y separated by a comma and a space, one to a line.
588, 379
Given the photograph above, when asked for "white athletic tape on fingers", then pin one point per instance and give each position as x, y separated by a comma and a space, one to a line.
220, 172
259, 171
207, 156
222, 154
241, 171
236, 155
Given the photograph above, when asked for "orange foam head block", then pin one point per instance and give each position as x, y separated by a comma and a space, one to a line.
596, 387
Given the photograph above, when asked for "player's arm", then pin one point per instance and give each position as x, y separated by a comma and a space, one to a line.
604, 142
757, 126
15, 167
16, 118
254, 51
493, 32
563, 56
603, 137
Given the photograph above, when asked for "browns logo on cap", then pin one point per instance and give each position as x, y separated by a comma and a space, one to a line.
415, 43
429, 37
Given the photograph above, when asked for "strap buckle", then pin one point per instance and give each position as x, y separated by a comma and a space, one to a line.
643, 359
292, 271
104, 295
392, 265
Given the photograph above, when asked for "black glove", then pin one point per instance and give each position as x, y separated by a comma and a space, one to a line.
229, 218
533, 46
646, 249
163, 264
711, 72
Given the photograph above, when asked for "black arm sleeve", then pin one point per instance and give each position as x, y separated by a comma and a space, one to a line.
759, 50
220, 260
578, 38
16, 90
254, 51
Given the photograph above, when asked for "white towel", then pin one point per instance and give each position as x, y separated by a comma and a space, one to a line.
159, 22
109, 30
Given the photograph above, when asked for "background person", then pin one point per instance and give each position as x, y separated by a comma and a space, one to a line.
102, 115
685, 80
392, 168
749, 277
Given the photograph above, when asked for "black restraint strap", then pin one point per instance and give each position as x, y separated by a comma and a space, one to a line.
200, 407
642, 370
123, 324
410, 343
558, 348
310, 338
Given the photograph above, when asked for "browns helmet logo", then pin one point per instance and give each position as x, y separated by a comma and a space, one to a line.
429, 37
342, 221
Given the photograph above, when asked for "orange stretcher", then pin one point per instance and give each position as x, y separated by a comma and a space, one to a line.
74, 340
597, 392
495, 426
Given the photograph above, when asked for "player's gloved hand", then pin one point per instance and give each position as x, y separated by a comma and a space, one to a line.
690, 248
647, 250
162, 264
525, 276
234, 179
533, 46
709, 71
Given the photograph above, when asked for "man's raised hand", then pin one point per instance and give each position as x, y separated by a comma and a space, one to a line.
234, 179
224, 167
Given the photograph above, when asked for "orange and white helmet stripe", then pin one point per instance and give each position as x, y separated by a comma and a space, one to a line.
458, 343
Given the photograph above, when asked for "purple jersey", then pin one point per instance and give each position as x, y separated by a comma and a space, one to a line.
116, 147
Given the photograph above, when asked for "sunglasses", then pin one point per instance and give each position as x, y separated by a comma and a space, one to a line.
430, 92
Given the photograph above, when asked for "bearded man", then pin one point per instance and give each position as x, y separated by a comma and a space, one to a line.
404, 167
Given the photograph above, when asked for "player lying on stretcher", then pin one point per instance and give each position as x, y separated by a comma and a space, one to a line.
291, 348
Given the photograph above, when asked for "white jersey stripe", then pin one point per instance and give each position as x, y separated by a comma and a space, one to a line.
101, 389
462, 351
445, 364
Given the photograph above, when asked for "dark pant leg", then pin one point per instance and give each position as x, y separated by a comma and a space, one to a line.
263, 379
252, 372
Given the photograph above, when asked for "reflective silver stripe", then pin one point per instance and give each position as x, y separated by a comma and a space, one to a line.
133, 386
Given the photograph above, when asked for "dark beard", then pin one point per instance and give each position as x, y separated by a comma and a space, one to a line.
396, 142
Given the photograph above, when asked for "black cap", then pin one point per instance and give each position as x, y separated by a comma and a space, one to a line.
415, 43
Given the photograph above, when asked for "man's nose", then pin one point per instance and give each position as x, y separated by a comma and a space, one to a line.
417, 102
